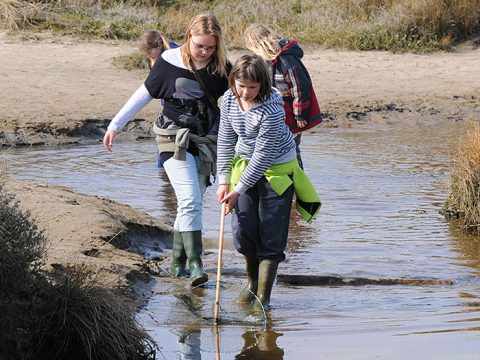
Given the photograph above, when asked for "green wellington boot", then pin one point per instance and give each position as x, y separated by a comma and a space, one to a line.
267, 271
179, 257
192, 241
248, 293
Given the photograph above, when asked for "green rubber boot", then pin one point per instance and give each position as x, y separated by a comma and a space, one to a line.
247, 295
267, 271
179, 257
192, 240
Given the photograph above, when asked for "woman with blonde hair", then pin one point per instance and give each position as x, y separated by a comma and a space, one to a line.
289, 76
190, 79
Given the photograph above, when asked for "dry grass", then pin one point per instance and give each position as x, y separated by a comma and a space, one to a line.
132, 61
464, 198
22, 255
17, 14
81, 320
400, 25
23, 247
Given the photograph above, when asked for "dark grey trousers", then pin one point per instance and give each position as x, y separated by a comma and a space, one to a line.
260, 222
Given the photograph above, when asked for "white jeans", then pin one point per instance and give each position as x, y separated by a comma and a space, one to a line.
189, 188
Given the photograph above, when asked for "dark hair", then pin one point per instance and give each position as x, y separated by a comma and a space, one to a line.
253, 68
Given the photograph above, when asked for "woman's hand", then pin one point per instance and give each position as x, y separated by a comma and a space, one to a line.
108, 139
227, 198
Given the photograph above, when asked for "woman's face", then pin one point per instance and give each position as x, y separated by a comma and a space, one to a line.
247, 90
202, 47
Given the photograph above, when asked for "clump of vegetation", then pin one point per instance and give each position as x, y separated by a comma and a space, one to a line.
463, 201
132, 61
67, 316
81, 320
18, 14
23, 247
21, 259
394, 25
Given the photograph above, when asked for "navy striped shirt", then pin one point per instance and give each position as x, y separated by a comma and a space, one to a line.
258, 134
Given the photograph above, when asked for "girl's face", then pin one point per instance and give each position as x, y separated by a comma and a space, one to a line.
247, 90
202, 47
153, 54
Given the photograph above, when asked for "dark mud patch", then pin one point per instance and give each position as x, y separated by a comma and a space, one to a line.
67, 132
330, 280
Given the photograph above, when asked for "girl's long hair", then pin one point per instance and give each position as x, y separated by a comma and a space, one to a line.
262, 41
152, 39
206, 24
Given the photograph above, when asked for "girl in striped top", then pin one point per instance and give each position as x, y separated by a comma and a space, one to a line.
253, 139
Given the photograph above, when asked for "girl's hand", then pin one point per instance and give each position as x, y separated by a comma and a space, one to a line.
301, 123
230, 200
227, 198
108, 139
221, 192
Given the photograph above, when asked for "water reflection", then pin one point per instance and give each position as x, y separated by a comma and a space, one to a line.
189, 343
301, 234
167, 197
468, 245
260, 345
192, 343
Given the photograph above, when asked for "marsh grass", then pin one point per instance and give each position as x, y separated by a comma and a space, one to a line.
463, 201
81, 320
19, 14
23, 247
66, 316
394, 25
132, 61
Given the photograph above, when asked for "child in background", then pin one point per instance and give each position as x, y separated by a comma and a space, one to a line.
258, 174
289, 76
153, 43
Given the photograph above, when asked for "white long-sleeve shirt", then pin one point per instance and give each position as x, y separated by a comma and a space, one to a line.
140, 98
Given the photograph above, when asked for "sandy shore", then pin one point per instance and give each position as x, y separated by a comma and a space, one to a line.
57, 90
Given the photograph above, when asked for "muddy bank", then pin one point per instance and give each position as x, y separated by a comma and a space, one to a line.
87, 131
109, 237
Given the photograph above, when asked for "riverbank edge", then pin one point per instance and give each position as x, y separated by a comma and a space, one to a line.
109, 238
345, 115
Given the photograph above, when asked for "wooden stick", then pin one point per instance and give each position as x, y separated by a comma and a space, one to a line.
217, 343
219, 266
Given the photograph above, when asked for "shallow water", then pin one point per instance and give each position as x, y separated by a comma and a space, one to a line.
382, 188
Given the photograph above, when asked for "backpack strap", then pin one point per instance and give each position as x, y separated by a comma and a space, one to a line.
209, 97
